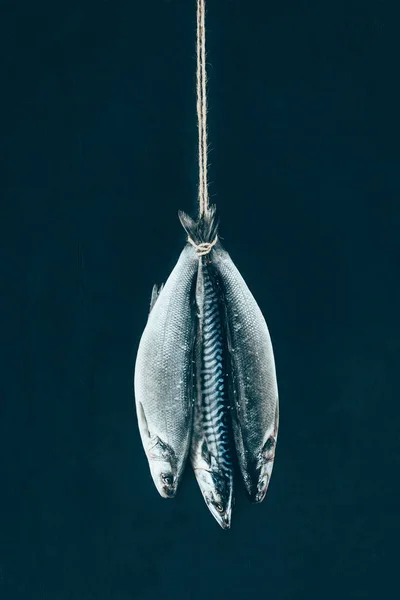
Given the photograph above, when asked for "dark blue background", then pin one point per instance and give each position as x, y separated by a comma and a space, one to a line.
98, 153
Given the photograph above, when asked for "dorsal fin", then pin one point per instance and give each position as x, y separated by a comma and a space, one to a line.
155, 292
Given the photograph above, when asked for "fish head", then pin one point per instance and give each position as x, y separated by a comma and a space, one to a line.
260, 471
216, 487
163, 468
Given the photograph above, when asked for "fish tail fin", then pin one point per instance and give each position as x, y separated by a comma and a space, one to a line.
204, 230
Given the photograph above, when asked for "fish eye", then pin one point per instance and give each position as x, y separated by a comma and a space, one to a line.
167, 479
219, 507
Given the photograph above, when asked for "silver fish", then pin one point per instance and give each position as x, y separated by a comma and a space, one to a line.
164, 375
211, 448
253, 389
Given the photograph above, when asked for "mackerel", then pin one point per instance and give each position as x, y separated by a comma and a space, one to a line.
211, 453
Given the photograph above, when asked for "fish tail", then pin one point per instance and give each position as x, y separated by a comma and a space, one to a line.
204, 230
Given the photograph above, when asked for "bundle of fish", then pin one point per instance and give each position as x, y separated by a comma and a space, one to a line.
205, 381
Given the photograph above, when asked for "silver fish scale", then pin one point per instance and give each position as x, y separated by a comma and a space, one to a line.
163, 371
211, 380
252, 358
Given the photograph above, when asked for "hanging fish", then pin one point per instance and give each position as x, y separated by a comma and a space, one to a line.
205, 363
164, 375
211, 453
253, 384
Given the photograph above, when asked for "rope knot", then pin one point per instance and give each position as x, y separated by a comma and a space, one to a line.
203, 248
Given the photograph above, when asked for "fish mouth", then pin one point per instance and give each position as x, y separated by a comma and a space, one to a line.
223, 517
221, 506
166, 483
169, 492
166, 492
256, 477
259, 497
258, 490
225, 522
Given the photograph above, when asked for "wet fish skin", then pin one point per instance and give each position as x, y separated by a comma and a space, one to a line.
211, 450
253, 388
163, 380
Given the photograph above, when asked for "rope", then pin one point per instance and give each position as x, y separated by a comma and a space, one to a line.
203, 248
202, 107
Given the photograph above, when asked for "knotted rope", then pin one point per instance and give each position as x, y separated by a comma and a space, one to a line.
203, 248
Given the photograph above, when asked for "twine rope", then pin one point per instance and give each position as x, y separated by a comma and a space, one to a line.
202, 107
205, 247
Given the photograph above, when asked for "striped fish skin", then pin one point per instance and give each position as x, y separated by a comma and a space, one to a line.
211, 452
163, 379
253, 384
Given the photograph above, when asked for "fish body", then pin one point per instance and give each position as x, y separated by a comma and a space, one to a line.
211, 449
252, 375
163, 379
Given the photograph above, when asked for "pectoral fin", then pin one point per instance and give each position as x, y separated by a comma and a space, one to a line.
155, 292
160, 450
142, 420
205, 454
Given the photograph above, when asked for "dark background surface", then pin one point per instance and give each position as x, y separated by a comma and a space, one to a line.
98, 152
